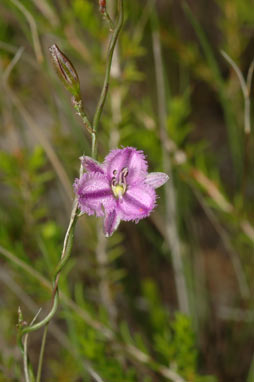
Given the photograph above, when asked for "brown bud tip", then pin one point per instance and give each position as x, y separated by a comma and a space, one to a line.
65, 70
102, 5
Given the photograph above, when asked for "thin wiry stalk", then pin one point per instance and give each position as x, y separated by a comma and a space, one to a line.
250, 76
47, 11
235, 258
10, 48
143, 20
216, 195
25, 360
66, 252
105, 14
245, 86
43, 343
34, 31
116, 101
27, 366
218, 82
101, 248
105, 87
12, 64
172, 236
237, 71
94, 374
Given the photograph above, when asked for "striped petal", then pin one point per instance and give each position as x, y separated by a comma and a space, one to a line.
156, 179
91, 165
137, 203
111, 222
94, 192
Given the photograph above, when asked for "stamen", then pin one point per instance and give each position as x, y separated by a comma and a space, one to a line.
122, 178
114, 181
119, 187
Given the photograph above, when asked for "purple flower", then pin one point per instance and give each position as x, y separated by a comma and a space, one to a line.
120, 188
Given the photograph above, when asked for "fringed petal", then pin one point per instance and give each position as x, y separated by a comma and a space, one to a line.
156, 179
137, 203
111, 222
93, 192
129, 158
91, 165
119, 189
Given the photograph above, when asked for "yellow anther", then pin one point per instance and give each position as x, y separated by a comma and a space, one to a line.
118, 190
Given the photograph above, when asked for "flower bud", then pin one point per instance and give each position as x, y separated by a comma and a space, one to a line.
65, 70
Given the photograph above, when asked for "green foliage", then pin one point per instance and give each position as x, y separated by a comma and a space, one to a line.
172, 339
178, 125
22, 174
85, 12
204, 136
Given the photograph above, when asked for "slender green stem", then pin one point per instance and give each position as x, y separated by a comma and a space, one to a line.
93, 151
111, 48
250, 76
43, 343
32, 328
77, 103
79, 107
28, 370
108, 19
66, 252
245, 87
104, 12
25, 360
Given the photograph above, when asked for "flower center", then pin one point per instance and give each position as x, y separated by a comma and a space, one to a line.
119, 186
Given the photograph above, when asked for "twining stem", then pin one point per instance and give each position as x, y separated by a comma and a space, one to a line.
78, 105
111, 48
25, 330
66, 252
68, 240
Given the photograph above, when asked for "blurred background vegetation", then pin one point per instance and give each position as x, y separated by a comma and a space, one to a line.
171, 297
